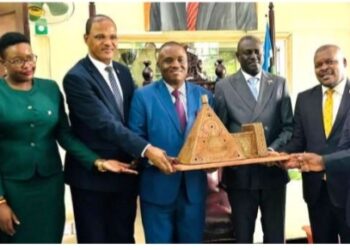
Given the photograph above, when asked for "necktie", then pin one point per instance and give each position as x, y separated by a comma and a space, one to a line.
253, 85
328, 112
180, 110
116, 92
192, 11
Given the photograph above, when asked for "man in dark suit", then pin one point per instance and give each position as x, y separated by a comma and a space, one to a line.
167, 16
312, 134
98, 93
172, 203
336, 167
251, 95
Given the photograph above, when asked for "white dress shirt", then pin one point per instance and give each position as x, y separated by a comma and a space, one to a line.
337, 96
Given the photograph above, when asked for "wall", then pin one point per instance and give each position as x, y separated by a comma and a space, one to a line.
310, 24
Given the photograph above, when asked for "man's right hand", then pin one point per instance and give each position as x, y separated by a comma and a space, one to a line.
7, 219
159, 158
291, 163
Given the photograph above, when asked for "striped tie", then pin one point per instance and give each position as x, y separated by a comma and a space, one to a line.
117, 95
192, 11
328, 112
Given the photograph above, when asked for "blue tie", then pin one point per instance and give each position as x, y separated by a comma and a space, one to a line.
253, 85
116, 92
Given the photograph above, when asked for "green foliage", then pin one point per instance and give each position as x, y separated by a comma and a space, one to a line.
294, 174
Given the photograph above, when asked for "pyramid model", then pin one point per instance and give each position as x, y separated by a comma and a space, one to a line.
209, 141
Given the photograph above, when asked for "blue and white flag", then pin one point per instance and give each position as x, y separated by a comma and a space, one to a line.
267, 49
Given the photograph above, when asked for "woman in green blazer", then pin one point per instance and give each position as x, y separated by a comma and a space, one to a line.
32, 119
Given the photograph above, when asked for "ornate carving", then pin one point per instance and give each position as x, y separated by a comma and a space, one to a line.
210, 145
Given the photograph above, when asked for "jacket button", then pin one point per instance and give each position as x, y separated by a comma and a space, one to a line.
30, 107
32, 144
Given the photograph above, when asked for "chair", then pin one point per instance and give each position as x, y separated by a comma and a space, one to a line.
218, 225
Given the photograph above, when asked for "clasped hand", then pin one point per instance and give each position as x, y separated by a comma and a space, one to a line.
306, 162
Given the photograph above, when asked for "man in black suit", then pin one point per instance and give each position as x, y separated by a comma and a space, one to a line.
312, 134
241, 100
98, 93
337, 170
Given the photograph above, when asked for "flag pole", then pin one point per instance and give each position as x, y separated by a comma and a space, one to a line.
272, 33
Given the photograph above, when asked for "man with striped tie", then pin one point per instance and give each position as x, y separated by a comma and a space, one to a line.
99, 92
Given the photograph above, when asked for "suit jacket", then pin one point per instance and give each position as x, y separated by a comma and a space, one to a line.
236, 105
338, 171
30, 123
153, 116
309, 136
167, 16
95, 119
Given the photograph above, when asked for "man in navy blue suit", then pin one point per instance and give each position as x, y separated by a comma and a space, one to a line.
98, 93
163, 112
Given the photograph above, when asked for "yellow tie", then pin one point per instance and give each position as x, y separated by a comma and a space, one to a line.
328, 112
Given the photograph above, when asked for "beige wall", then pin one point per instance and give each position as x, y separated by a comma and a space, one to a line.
310, 25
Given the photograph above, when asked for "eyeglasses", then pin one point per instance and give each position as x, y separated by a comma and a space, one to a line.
21, 61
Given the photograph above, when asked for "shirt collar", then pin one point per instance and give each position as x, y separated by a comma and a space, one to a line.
247, 76
339, 89
100, 65
182, 89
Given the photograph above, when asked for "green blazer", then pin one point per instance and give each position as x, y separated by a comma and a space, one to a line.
30, 124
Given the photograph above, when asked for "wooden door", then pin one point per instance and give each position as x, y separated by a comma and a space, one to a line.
13, 17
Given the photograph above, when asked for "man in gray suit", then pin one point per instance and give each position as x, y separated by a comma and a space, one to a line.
167, 16
251, 95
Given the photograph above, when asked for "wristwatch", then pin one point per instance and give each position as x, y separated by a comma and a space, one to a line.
99, 163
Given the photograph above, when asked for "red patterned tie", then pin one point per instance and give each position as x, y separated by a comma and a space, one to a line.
180, 110
192, 11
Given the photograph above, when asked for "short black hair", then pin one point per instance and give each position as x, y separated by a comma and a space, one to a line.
327, 46
171, 43
96, 18
11, 38
248, 37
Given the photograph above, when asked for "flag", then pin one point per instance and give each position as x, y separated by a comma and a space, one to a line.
267, 49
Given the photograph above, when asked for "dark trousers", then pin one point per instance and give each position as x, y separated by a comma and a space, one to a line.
103, 217
328, 223
245, 205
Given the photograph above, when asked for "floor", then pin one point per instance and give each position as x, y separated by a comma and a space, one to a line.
296, 218
69, 234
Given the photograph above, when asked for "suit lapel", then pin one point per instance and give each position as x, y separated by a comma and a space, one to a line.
317, 114
204, 13
165, 99
180, 10
266, 89
240, 86
191, 107
343, 108
103, 86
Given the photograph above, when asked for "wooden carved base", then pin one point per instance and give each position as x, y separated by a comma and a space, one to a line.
233, 163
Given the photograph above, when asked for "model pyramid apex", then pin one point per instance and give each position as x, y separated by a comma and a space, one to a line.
209, 141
